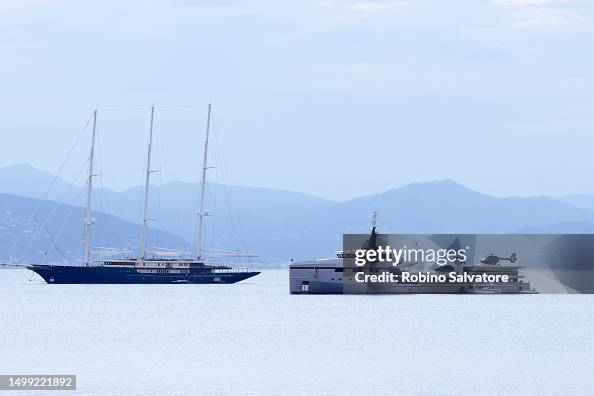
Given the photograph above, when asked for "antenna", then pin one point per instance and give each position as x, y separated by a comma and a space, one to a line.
146, 188
201, 211
373, 217
88, 220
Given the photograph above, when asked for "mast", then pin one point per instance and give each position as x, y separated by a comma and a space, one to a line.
146, 189
201, 211
88, 220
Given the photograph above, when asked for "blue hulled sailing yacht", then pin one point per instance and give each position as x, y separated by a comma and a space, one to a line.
152, 266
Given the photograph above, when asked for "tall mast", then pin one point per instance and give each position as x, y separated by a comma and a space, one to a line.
201, 211
88, 221
146, 189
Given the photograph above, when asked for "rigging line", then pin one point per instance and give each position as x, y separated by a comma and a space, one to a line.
98, 213
138, 206
158, 154
107, 235
77, 141
223, 171
102, 204
170, 196
101, 207
215, 190
114, 109
38, 231
144, 108
59, 234
181, 106
231, 219
72, 207
48, 218
158, 230
139, 215
53, 242
105, 201
96, 203
103, 229
99, 194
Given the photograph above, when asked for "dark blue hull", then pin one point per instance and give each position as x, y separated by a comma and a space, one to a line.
127, 275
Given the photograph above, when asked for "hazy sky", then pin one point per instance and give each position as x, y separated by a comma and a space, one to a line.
333, 98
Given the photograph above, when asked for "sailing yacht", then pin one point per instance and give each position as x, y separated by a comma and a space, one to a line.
159, 266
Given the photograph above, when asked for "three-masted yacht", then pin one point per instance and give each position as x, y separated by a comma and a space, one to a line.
151, 266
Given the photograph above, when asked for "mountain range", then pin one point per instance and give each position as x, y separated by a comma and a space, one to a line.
35, 230
279, 225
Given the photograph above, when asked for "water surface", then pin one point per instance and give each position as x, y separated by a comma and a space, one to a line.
255, 338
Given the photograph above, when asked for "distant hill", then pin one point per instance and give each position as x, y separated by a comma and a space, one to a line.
584, 201
434, 207
280, 225
175, 204
23, 238
26, 181
570, 227
445, 206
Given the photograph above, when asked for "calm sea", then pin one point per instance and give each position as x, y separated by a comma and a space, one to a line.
254, 338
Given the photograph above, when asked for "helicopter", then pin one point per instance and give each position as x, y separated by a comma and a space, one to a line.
492, 259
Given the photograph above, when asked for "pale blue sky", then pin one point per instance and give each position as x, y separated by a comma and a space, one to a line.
333, 98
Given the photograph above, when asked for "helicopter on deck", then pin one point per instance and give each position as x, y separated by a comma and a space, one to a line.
492, 259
